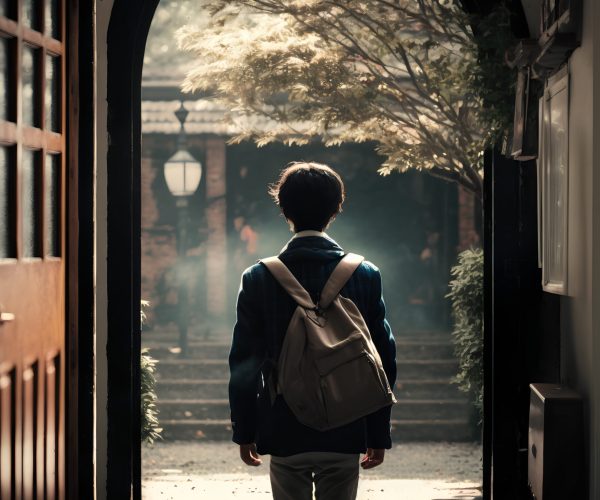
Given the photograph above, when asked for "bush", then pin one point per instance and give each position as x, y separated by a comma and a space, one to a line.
466, 295
149, 413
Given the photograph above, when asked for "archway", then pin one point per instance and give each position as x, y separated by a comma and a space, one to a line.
129, 25
192, 392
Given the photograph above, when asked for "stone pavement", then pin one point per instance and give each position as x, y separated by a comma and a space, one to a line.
211, 470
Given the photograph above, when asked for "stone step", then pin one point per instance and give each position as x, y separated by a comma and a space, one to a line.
439, 388
219, 369
427, 368
192, 388
406, 349
453, 430
427, 388
196, 349
192, 369
170, 334
202, 409
419, 349
161, 334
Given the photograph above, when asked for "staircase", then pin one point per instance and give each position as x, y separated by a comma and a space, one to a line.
192, 393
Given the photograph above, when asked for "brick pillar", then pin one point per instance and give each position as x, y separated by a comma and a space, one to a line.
216, 219
158, 246
467, 230
149, 215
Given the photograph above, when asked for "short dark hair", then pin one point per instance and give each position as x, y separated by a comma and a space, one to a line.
310, 195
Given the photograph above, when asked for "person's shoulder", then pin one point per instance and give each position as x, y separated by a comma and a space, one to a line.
368, 268
256, 272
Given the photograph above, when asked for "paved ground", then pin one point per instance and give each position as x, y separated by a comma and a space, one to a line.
415, 471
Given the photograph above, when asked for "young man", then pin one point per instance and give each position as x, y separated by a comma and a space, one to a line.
310, 196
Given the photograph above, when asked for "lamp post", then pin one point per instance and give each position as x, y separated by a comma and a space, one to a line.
182, 174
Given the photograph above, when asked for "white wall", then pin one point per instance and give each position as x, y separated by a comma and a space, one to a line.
595, 271
580, 335
576, 308
103, 11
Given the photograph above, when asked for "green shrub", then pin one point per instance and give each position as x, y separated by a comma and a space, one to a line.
466, 295
149, 413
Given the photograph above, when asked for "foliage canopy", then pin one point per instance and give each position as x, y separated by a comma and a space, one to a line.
405, 74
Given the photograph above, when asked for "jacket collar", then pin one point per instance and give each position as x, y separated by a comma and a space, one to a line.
310, 232
311, 247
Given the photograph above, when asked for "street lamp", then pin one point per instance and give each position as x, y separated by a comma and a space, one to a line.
182, 174
182, 171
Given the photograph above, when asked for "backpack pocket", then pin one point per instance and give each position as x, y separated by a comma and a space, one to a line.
351, 386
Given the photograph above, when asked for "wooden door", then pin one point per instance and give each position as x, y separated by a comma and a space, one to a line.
32, 249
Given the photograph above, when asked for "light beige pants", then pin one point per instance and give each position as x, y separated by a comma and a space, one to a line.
334, 475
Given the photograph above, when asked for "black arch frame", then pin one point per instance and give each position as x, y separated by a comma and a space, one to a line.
127, 33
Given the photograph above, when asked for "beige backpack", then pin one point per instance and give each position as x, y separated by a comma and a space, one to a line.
329, 371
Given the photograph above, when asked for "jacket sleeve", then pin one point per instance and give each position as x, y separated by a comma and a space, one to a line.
378, 423
245, 360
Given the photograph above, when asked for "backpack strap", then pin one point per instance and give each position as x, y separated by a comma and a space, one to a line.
339, 277
289, 282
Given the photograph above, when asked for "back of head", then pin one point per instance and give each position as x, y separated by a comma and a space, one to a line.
310, 195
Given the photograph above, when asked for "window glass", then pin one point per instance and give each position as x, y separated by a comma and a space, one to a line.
6, 73
52, 97
30, 202
31, 85
7, 8
557, 173
52, 208
52, 19
31, 14
7, 203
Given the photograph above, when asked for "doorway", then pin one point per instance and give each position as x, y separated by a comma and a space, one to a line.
192, 392
129, 25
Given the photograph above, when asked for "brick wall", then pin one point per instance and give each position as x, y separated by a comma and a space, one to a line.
216, 218
206, 256
159, 252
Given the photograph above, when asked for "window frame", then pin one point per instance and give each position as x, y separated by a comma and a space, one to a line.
555, 85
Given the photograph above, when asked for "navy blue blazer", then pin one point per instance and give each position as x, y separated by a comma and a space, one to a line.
264, 310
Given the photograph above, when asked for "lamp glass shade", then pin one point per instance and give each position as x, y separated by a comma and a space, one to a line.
183, 173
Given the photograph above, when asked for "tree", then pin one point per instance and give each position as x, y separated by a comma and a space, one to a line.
402, 73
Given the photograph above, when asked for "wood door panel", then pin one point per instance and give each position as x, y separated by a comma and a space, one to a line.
32, 341
51, 432
34, 293
30, 430
8, 449
35, 391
